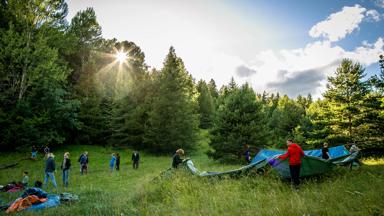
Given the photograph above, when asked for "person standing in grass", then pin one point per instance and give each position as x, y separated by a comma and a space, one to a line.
83, 160
112, 162
25, 179
294, 153
135, 159
117, 161
325, 152
34, 152
247, 153
176, 159
65, 166
50, 169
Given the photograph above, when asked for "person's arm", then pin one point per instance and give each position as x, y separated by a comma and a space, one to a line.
53, 165
284, 156
132, 157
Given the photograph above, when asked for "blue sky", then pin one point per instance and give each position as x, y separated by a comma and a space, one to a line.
286, 46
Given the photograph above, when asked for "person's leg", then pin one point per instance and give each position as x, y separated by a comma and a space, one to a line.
137, 165
52, 176
297, 175
63, 174
45, 179
66, 178
291, 171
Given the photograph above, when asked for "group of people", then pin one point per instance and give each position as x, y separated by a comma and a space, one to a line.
50, 165
294, 155
114, 163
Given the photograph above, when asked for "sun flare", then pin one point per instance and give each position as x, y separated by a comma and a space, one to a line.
121, 56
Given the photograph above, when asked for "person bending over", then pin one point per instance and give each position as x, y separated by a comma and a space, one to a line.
176, 160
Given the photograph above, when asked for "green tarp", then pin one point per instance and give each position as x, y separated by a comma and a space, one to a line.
310, 166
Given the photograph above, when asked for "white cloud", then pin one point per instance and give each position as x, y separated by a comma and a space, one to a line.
311, 65
339, 24
373, 16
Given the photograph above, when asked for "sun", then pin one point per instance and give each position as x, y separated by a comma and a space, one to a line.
121, 56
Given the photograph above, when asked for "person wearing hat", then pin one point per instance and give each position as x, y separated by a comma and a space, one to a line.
50, 169
176, 159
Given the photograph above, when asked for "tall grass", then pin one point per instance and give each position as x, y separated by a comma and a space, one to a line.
135, 192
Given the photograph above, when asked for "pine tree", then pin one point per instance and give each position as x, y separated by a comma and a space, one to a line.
173, 121
206, 105
239, 121
345, 92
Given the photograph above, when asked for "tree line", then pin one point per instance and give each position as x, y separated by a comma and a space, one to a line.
60, 84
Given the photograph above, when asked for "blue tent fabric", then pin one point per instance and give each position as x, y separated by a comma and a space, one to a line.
53, 200
337, 151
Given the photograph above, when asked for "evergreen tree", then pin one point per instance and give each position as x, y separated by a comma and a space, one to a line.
345, 92
173, 121
240, 121
213, 89
283, 120
206, 105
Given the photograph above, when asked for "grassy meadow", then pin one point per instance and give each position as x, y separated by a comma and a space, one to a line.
137, 192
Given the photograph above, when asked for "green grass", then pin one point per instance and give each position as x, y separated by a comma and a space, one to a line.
134, 192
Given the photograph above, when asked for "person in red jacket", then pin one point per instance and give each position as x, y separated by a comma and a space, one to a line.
294, 153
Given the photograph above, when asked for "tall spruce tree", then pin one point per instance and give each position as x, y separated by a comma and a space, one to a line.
206, 105
173, 121
345, 93
240, 121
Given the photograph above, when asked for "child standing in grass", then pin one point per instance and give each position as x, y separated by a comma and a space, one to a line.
112, 162
25, 179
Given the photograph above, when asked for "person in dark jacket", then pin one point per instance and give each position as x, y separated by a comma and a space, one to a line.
65, 166
50, 169
247, 153
135, 159
294, 153
176, 159
117, 161
83, 160
325, 152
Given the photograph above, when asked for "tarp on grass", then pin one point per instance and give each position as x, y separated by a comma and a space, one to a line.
52, 201
311, 165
